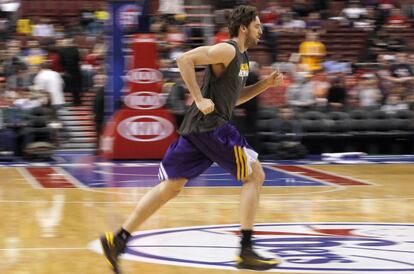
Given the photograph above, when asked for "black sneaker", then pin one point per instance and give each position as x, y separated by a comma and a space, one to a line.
248, 259
112, 248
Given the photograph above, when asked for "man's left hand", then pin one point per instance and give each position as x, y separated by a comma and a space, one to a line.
275, 79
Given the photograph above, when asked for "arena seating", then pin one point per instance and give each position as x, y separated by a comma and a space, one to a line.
357, 130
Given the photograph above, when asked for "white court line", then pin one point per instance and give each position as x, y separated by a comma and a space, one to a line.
308, 177
100, 190
222, 202
29, 178
70, 178
44, 248
345, 177
152, 175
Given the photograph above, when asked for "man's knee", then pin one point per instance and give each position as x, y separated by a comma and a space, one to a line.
257, 174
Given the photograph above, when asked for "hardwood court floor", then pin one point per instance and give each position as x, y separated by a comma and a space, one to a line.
50, 230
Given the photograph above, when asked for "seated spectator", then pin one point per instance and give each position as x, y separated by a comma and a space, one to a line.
369, 93
402, 75
397, 19
314, 21
26, 101
50, 81
334, 65
271, 14
222, 35
292, 21
24, 26
312, 51
300, 8
336, 94
354, 11
33, 55
301, 94
394, 103
43, 29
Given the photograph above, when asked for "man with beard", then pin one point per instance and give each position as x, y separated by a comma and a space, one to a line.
207, 136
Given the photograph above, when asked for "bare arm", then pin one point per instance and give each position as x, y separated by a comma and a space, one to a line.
221, 53
249, 92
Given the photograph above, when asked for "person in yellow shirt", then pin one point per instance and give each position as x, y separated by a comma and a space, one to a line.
312, 51
24, 26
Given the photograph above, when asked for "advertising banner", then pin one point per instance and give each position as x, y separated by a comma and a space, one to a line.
140, 127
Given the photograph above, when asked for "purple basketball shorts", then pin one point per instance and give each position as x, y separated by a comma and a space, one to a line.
192, 154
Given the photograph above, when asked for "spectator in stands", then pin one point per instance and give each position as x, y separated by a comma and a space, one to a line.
320, 5
170, 8
2, 81
312, 51
394, 103
397, 19
369, 92
25, 100
301, 8
176, 40
300, 94
287, 135
401, 74
40, 133
87, 19
335, 65
320, 85
101, 17
336, 94
354, 11
351, 90
8, 11
70, 60
99, 103
53, 58
24, 26
368, 21
411, 60
20, 78
12, 60
291, 21
43, 29
33, 55
222, 35
50, 81
271, 13
314, 21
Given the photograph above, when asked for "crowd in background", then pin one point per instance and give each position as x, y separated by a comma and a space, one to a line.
40, 58
40, 61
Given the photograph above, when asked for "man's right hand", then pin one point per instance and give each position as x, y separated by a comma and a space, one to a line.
205, 105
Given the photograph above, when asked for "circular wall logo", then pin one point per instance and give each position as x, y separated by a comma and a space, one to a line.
306, 247
145, 128
144, 100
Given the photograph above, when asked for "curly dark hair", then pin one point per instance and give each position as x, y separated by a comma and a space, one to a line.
241, 16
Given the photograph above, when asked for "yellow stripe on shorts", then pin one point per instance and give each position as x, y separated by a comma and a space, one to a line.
243, 159
237, 162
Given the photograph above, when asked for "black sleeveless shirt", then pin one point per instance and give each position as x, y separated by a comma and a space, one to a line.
223, 91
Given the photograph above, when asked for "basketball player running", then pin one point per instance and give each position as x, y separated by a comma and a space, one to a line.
207, 136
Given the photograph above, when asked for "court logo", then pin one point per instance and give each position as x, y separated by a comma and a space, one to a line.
306, 247
144, 76
144, 100
145, 128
